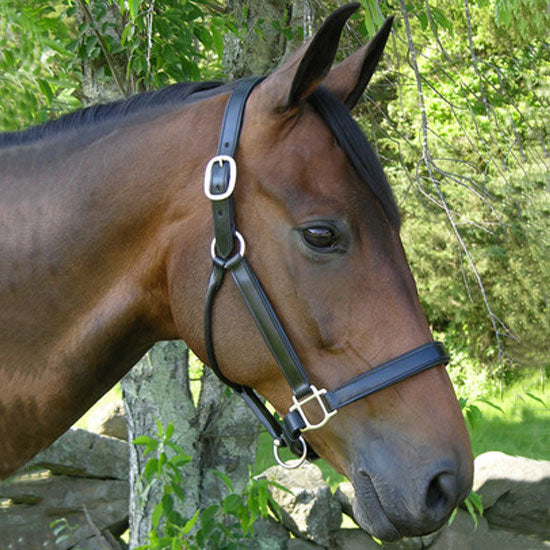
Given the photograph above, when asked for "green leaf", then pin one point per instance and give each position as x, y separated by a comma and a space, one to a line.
157, 515
490, 403
217, 38
143, 440
169, 431
475, 499
207, 517
536, 398
231, 503
452, 517
262, 500
127, 34
180, 460
180, 493
224, 478
151, 468
471, 511
179, 450
167, 503
190, 523
133, 6
440, 18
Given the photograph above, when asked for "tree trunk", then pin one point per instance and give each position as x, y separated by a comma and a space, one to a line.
219, 433
260, 46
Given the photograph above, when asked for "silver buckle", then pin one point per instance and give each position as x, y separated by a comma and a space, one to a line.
315, 394
220, 159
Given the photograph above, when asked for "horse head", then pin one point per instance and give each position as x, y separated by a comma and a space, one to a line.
322, 235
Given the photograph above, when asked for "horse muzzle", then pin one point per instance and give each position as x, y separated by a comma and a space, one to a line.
396, 498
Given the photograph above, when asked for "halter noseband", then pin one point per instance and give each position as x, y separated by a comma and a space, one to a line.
228, 254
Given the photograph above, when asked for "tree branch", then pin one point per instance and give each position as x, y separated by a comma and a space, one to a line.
427, 161
108, 57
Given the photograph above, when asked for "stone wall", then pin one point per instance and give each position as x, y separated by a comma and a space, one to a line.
515, 492
83, 478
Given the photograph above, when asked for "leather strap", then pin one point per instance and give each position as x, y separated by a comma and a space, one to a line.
393, 371
223, 211
271, 329
217, 183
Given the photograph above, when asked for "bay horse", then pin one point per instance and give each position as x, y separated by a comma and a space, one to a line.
106, 248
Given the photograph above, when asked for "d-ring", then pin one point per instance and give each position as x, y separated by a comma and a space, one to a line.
291, 464
242, 246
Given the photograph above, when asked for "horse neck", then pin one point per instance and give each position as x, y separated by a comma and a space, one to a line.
85, 290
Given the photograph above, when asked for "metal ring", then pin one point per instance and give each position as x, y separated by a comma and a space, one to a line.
291, 464
242, 246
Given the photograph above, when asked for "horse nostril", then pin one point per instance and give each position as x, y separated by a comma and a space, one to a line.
441, 494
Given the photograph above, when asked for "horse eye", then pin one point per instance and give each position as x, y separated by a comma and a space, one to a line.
319, 237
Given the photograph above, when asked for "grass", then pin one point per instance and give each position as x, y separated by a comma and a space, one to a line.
516, 424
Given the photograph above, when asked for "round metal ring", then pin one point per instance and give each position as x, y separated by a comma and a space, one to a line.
242, 246
291, 464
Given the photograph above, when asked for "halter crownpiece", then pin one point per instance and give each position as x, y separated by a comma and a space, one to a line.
228, 254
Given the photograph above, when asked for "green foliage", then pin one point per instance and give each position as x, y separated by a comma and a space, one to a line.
473, 184
529, 18
225, 525
63, 531
140, 45
161, 43
37, 76
473, 506
516, 422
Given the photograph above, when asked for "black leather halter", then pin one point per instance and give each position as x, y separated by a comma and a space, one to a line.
228, 254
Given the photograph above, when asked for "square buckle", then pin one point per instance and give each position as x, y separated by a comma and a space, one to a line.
220, 159
315, 395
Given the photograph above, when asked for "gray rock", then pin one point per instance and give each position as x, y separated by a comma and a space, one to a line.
301, 544
310, 511
463, 535
515, 492
268, 535
345, 494
110, 420
82, 453
32, 502
352, 539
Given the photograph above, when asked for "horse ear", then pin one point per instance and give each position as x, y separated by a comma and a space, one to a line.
348, 79
308, 66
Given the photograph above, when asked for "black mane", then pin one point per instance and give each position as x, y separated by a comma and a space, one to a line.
353, 142
174, 94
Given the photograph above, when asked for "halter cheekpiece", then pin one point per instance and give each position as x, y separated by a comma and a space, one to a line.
228, 254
